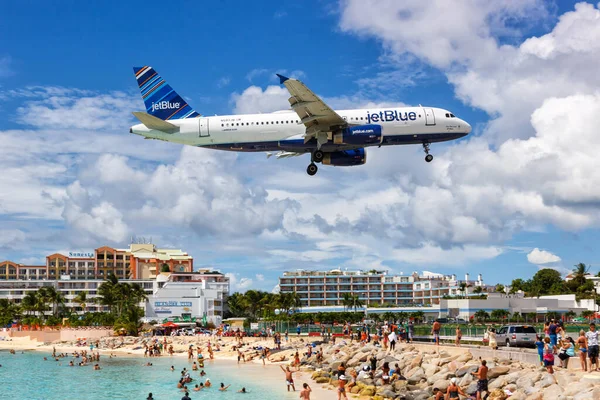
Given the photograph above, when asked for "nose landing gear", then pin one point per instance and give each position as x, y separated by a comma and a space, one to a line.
428, 157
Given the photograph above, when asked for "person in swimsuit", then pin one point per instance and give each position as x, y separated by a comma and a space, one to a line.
453, 391
539, 343
289, 379
342, 388
439, 395
582, 343
549, 356
458, 336
305, 393
482, 381
223, 387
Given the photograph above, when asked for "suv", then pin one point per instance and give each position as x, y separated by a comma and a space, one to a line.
516, 335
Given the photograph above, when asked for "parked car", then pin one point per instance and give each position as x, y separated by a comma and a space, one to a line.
516, 335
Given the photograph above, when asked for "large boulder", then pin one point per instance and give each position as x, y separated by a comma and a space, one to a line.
442, 375
497, 371
590, 394
430, 369
368, 391
466, 369
399, 385
472, 388
322, 379
442, 384
498, 383
466, 380
577, 387
546, 381
415, 375
464, 357
553, 392
416, 361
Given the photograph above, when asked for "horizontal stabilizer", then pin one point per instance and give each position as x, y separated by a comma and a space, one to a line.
155, 123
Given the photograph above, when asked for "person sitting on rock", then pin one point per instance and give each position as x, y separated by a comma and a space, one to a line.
353, 377
454, 391
385, 368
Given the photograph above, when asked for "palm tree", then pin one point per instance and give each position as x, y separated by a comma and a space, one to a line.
481, 315
478, 290
29, 302
49, 294
499, 314
418, 316
236, 304
463, 288
570, 314
347, 301
587, 314
356, 302
8, 312
81, 299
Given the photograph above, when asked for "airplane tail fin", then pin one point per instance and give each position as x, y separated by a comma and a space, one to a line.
159, 97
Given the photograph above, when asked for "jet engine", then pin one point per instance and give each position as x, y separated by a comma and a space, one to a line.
346, 158
361, 134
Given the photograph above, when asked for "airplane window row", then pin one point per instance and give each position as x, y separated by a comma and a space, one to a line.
261, 123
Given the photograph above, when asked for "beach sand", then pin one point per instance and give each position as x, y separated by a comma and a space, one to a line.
269, 375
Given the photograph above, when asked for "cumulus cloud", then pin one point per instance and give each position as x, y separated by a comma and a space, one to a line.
539, 257
11, 238
238, 283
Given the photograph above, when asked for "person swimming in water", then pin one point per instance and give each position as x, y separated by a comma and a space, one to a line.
242, 390
223, 387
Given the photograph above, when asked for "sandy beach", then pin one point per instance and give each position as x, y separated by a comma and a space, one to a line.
269, 374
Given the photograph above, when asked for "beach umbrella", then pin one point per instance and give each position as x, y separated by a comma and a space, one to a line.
170, 324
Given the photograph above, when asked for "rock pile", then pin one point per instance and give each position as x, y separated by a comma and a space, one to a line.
424, 370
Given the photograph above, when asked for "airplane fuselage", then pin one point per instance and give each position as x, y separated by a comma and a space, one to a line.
282, 130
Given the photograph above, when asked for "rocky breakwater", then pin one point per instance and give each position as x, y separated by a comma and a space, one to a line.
422, 371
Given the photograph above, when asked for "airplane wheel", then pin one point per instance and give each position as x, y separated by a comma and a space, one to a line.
312, 169
318, 156
428, 158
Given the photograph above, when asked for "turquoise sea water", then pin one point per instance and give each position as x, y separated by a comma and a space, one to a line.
28, 376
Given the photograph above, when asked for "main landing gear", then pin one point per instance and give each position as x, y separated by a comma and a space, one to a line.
312, 169
316, 156
428, 157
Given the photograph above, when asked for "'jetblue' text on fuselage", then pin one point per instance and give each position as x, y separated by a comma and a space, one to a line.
391, 115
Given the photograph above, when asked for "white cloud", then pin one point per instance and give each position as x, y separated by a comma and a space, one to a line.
260, 277
6, 67
238, 283
539, 257
11, 238
224, 81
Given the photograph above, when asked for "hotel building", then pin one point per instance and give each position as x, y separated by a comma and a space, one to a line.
327, 288
166, 275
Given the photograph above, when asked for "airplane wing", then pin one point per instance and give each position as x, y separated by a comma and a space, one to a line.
317, 116
284, 154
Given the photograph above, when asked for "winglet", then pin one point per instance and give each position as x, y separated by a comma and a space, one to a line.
282, 78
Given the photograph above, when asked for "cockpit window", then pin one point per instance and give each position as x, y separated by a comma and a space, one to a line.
452, 116
447, 115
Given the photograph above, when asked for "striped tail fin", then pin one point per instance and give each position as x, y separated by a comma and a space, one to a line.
159, 97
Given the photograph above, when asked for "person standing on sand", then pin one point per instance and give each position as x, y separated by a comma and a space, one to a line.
583, 348
342, 388
305, 392
539, 343
289, 379
592, 342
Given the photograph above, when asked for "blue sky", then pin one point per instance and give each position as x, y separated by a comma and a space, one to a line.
75, 179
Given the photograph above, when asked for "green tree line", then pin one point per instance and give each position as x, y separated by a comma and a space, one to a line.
46, 307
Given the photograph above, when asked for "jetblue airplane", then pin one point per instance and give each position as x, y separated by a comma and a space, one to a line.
331, 137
